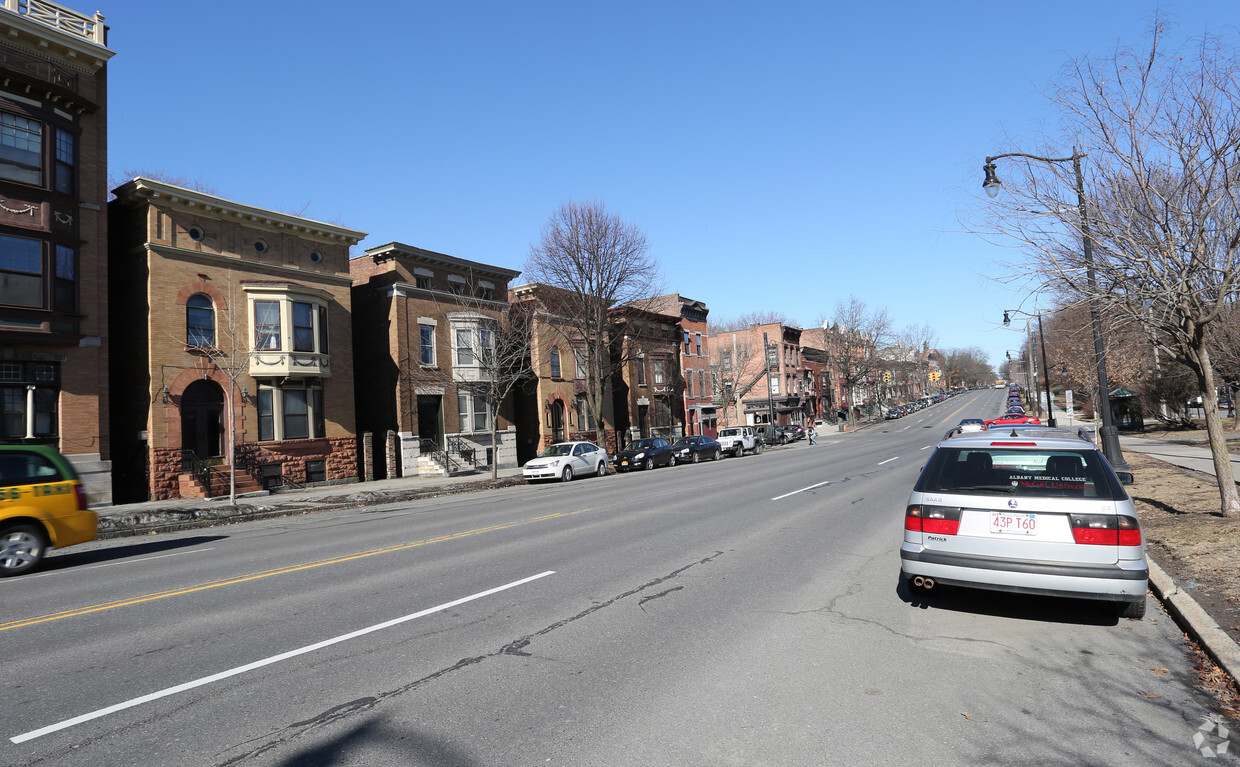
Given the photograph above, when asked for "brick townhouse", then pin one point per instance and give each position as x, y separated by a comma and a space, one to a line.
424, 323
699, 401
236, 323
554, 406
752, 380
54, 336
649, 386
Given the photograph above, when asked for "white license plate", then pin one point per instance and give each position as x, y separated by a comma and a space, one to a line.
1008, 523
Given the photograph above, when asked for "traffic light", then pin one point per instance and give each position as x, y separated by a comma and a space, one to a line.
887, 377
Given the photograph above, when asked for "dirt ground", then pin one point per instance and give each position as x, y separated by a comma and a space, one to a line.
1189, 539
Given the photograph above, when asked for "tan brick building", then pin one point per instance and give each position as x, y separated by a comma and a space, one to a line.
54, 338
228, 308
423, 322
554, 407
749, 388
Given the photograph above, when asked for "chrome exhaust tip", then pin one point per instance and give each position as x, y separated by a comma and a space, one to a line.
927, 583
918, 581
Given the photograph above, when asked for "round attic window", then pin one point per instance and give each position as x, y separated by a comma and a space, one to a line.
260, 246
316, 256
197, 233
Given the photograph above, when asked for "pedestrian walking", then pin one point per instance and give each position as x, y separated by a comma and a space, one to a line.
813, 435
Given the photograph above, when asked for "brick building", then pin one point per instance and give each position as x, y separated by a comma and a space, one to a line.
748, 388
699, 402
648, 384
554, 407
54, 336
227, 309
426, 324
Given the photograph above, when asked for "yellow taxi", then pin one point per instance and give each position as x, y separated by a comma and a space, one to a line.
42, 506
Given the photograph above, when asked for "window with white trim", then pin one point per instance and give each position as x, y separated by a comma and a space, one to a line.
585, 419
658, 371
473, 412
426, 344
290, 412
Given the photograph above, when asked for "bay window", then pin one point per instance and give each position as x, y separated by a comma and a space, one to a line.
290, 412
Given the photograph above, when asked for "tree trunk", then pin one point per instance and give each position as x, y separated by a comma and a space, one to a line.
1230, 500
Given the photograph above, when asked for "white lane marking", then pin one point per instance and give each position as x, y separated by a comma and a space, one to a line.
802, 490
889, 460
108, 564
264, 662
927, 447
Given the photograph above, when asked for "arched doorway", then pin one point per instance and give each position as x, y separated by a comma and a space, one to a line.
557, 421
202, 408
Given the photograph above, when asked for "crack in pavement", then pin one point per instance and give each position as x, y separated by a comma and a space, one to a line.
515, 647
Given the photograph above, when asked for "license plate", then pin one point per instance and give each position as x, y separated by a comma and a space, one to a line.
1008, 523
624, 463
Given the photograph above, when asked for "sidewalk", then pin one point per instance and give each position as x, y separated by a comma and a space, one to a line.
186, 513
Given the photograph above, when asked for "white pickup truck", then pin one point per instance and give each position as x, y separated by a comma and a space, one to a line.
738, 440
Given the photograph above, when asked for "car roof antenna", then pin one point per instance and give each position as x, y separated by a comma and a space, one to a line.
1014, 434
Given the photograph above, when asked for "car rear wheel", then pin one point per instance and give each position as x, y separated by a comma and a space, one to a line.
1134, 609
567, 476
21, 549
757, 449
718, 454
649, 464
602, 469
671, 461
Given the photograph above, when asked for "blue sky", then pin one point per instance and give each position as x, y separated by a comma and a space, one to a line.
779, 156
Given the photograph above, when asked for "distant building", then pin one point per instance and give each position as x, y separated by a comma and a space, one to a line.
648, 385
236, 320
54, 335
423, 322
699, 401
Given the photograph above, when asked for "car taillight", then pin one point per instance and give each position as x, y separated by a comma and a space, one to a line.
80, 493
1106, 530
943, 520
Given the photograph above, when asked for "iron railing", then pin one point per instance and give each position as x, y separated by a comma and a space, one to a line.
431, 447
466, 451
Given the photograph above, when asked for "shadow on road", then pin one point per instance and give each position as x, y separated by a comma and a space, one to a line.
1002, 604
76, 558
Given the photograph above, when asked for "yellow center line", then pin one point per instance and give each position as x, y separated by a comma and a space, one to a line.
269, 573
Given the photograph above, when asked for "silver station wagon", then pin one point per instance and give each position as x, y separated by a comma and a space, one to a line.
1036, 512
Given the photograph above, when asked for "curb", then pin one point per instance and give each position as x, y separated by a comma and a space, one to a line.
1203, 629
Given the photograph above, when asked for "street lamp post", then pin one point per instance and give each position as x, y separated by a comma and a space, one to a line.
1109, 434
1046, 371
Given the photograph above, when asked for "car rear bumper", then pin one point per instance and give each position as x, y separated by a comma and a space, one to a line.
1125, 580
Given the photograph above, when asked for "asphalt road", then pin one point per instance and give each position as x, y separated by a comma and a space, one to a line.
746, 612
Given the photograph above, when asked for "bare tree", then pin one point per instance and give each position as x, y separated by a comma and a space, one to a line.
1156, 133
859, 333
735, 367
597, 261
748, 319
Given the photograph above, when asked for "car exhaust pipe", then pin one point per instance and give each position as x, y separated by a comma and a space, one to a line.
919, 581
927, 583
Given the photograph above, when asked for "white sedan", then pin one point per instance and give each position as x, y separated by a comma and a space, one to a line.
565, 460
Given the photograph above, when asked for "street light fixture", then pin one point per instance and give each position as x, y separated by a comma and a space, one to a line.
1046, 371
991, 184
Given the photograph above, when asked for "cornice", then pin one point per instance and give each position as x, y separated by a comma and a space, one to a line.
145, 190
48, 43
399, 250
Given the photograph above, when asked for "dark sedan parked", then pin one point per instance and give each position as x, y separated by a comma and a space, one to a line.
646, 454
698, 448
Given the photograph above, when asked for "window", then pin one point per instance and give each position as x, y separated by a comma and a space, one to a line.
303, 327
267, 325
698, 343
316, 470
465, 347
21, 271
555, 362
486, 294
426, 344
585, 419
21, 149
422, 281
64, 297
199, 321
725, 360
641, 371
688, 350
64, 161
322, 330
581, 362
457, 288
658, 371
473, 412
486, 346
689, 385
260, 246
292, 412
29, 388
702, 384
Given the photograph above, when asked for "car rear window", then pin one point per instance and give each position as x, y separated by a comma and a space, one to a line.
27, 469
1028, 472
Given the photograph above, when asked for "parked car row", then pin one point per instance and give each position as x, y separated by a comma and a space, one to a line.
565, 461
899, 411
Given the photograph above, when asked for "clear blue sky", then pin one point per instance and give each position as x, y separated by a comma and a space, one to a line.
779, 156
